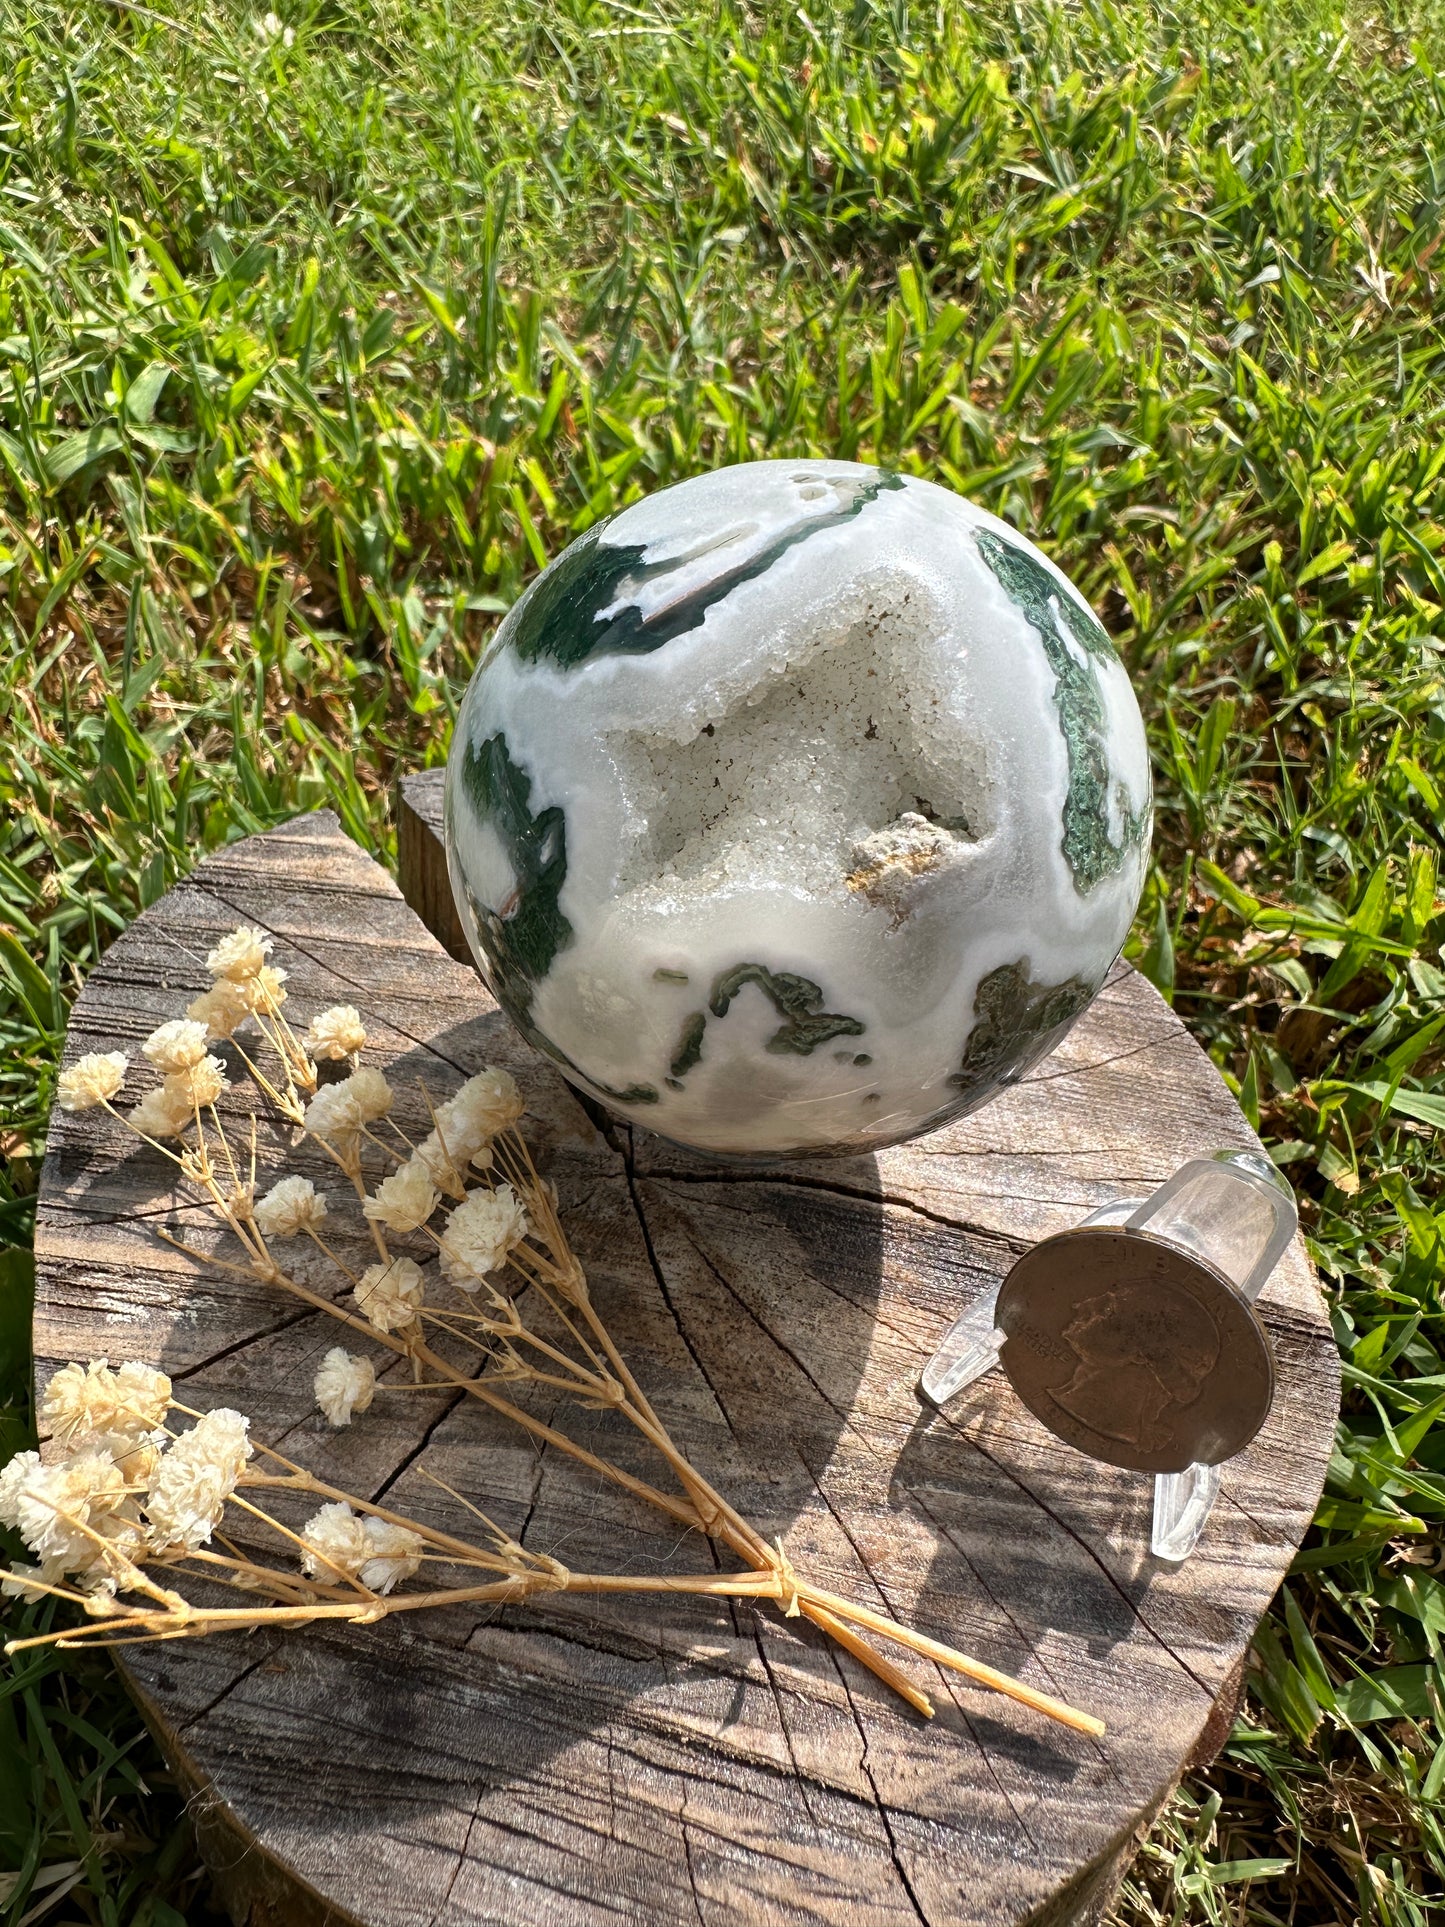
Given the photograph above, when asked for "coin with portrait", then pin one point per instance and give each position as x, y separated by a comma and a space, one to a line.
1134, 1351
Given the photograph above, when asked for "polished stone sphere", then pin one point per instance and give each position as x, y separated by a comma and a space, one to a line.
797, 809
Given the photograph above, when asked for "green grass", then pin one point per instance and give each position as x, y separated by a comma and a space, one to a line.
315, 343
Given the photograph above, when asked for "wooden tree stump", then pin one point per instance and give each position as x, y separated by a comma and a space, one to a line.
678, 1760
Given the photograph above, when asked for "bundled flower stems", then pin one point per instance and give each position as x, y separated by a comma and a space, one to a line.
137, 1494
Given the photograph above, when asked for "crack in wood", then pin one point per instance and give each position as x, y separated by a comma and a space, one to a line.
462, 1853
879, 1807
1091, 1554
796, 1180
890, 1606
691, 1870
180, 1376
421, 1445
844, 1417
1166, 1040
660, 1275
226, 1691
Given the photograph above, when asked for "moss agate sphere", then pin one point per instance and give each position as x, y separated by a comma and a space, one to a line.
797, 809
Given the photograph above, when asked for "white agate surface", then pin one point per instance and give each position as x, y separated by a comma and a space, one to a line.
797, 808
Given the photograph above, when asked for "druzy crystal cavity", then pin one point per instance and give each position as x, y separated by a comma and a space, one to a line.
797, 808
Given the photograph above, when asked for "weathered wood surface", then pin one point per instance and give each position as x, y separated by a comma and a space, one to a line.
670, 1760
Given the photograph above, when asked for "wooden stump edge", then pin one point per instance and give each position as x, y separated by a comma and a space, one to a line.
421, 859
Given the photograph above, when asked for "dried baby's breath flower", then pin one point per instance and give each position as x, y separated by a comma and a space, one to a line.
196, 1476
335, 1034
291, 1206
128, 1402
334, 1116
338, 1112
372, 1550
395, 1554
92, 1079
164, 1111
222, 1009
443, 1163
465, 1127
335, 1543
486, 1104
390, 1294
480, 1233
137, 1456
202, 1084
51, 1507
344, 1384
240, 954
404, 1201
265, 991
176, 1046
370, 1092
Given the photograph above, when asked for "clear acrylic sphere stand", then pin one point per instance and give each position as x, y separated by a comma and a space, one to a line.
1234, 1210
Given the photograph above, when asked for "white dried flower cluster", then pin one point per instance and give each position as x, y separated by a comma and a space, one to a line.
177, 1045
126, 1403
444, 1164
195, 1478
465, 1126
486, 1104
341, 1545
480, 1233
75, 1515
203, 1082
335, 1034
241, 954
222, 1009
390, 1294
92, 1079
291, 1206
332, 1116
239, 961
137, 1454
370, 1093
338, 1112
164, 1111
345, 1384
83, 1516
404, 1201
265, 990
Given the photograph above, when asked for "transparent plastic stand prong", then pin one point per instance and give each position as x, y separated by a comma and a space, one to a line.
970, 1348
1183, 1502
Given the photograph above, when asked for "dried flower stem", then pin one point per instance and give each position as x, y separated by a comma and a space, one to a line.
193, 1621
517, 1231
285, 1102
448, 1375
707, 1511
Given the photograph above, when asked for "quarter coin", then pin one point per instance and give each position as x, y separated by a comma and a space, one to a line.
1135, 1352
